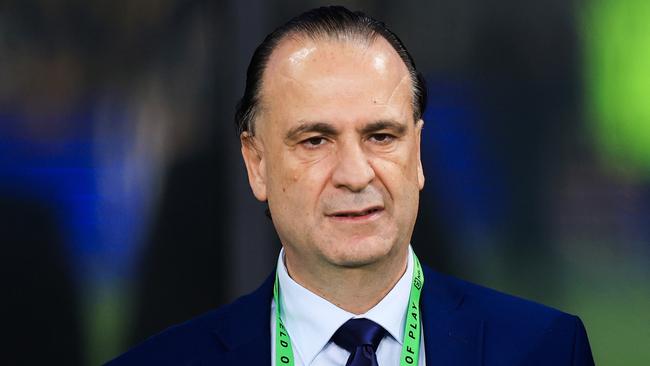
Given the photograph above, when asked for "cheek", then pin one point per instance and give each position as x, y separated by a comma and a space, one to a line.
397, 166
298, 179
410, 162
398, 174
281, 179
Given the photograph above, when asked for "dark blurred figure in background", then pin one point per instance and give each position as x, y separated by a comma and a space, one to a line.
106, 131
40, 302
184, 249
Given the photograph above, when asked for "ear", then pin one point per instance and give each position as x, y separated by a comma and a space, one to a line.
255, 165
418, 137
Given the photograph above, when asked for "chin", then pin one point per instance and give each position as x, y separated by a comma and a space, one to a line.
359, 253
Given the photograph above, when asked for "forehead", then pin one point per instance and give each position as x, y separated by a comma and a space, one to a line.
324, 77
301, 53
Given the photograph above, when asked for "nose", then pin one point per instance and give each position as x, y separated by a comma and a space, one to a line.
353, 170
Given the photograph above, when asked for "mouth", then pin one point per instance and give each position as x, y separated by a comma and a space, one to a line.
357, 214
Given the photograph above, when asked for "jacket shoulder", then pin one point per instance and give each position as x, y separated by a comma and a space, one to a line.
502, 308
519, 330
183, 343
194, 342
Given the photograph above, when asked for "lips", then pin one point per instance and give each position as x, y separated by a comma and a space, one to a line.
352, 214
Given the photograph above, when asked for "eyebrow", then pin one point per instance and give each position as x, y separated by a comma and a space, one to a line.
320, 127
328, 130
398, 128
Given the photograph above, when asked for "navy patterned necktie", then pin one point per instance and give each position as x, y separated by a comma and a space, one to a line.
360, 337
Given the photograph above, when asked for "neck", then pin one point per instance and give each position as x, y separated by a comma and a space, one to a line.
353, 289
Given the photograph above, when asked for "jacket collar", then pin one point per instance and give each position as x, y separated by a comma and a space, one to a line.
452, 336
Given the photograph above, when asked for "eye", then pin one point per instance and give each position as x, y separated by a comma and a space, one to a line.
382, 138
314, 142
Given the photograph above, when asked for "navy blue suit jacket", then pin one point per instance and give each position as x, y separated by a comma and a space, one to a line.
464, 324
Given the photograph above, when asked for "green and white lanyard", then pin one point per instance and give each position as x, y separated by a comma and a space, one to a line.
410, 348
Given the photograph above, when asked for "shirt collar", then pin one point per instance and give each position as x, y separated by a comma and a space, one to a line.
312, 320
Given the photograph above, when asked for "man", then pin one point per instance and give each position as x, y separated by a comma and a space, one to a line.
330, 128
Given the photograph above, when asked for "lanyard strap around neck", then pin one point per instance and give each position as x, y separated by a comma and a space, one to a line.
412, 332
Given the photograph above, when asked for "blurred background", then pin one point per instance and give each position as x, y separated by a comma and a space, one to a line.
124, 205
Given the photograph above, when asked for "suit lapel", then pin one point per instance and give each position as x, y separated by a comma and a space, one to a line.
452, 337
245, 328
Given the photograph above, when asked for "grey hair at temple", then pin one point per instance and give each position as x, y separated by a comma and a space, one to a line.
331, 23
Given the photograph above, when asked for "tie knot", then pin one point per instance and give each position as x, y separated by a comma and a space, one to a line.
357, 333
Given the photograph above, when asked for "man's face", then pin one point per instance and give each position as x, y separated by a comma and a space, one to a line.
336, 151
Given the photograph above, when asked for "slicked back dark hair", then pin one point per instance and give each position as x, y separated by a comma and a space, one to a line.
325, 23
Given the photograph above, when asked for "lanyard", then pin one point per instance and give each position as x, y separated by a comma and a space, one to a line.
410, 347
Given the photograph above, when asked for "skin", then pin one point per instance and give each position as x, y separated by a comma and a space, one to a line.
336, 153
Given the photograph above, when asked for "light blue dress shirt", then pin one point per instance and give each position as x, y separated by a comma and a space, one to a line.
311, 321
